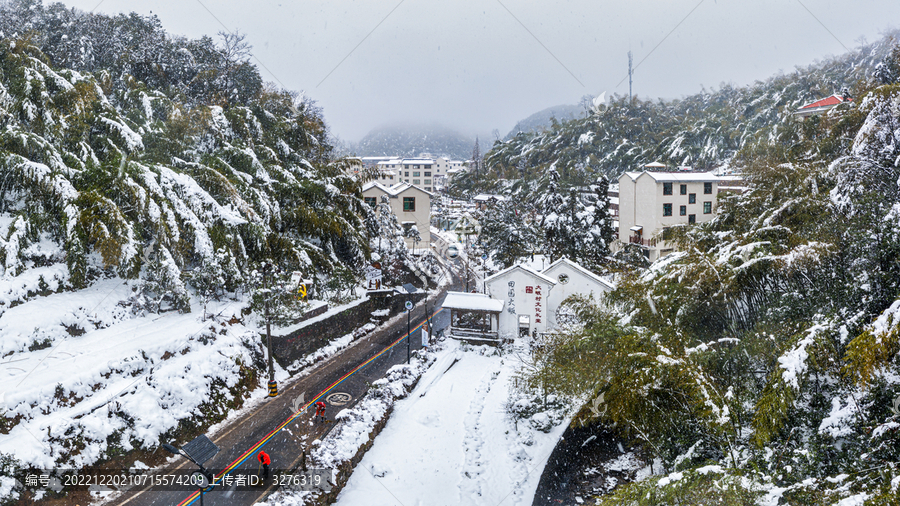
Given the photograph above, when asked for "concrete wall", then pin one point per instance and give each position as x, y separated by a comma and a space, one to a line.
300, 343
641, 204
421, 217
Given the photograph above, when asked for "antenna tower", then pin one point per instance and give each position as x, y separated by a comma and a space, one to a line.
629, 77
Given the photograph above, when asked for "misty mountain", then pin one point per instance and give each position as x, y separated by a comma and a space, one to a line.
411, 140
542, 120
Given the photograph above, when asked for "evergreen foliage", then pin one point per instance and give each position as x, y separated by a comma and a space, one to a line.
504, 234
145, 155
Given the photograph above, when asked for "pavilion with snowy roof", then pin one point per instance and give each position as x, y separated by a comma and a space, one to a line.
473, 316
821, 106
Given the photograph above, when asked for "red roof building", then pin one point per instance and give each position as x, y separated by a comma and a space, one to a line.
821, 106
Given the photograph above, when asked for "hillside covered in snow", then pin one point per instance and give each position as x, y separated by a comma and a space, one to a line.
145, 181
411, 140
760, 362
708, 130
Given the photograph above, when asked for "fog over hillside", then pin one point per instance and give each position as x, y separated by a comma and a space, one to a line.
412, 140
542, 119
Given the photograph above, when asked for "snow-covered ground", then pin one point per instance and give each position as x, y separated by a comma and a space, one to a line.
453, 442
119, 372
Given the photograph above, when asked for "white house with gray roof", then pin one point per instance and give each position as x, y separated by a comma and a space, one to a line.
652, 201
411, 205
531, 299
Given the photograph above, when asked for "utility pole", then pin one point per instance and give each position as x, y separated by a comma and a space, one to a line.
409, 306
273, 385
629, 77
467, 259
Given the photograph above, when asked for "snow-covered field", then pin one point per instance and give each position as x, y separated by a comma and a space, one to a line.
111, 372
452, 442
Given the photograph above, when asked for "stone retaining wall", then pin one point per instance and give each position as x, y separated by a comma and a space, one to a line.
300, 343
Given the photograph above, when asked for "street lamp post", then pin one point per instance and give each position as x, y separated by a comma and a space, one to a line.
202, 449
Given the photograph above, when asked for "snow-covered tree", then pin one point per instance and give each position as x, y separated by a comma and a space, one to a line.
600, 232
476, 158
504, 234
556, 219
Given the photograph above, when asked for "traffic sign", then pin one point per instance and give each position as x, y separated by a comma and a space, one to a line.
484, 256
409, 305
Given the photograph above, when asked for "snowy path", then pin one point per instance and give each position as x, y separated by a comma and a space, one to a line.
451, 441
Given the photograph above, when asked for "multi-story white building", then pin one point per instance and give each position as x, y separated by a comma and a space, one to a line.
426, 172
411, 205
652, 201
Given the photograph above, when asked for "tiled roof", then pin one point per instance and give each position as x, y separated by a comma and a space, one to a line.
830, 101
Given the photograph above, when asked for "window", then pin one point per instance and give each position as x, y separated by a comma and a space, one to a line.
409, 204
427, 174
427, 181
428, 188
684, 189
426, 166
667, 209
667, 189
415, 166
682, 210
415, 174
707, 208
692, 198
416, 181
370, 201
406, 173
692, 218
707, 188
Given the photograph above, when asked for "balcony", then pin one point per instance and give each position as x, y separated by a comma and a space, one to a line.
638, 239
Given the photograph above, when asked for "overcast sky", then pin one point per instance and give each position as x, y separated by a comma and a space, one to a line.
480, 65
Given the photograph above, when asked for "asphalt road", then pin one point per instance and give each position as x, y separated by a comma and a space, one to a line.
287, 446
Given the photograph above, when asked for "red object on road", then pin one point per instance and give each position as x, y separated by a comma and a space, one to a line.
320, 410
263, 458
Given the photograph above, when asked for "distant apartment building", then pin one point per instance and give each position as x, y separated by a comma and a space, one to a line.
411, 205
426, 172
652, 201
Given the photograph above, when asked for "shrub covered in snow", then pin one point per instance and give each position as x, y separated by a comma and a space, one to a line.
542, 412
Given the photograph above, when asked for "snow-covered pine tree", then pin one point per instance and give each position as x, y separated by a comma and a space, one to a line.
476, 158
600, 233
503, 233
555, 223
888, 70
